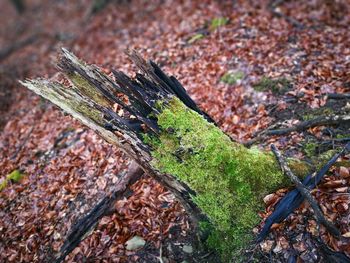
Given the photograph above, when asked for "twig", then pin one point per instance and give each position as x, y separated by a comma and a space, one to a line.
293, 199
304, 125
331, 255
86, 225
7, 51
338, 96
273, 8
320, 121
304, 192
160, 254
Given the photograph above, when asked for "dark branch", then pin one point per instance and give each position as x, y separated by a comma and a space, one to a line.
304, 192
320, 121
338, 96
7, 51
293, 199
86, 225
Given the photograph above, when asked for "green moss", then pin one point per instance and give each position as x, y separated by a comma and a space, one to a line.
3, 184
84, 87
15, 176
314, 113
232, 78
320, 160
299, 168
342, 136
195, 38
218, 22
310, 149
276, 86
229, 179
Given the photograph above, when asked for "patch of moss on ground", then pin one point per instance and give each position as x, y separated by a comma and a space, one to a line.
3, 184
315, 113
276, 86
15, 176
229, 179
218, 22
232, 77
310, 149
195, 38
343, 136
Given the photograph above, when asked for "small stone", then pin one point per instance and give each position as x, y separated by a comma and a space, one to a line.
187, 249
135, 243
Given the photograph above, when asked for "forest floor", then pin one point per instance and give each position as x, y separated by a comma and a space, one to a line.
245, 64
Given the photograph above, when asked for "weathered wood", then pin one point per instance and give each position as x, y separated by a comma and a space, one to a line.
91, 97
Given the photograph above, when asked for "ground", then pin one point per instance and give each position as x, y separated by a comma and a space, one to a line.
220, 51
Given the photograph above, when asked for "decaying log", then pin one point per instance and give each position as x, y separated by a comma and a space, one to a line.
151, 117
90, 100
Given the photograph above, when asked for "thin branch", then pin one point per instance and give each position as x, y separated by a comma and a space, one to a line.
7, 51
87, 224
273, 8
320, 121
304, 192
293, 199
301, 126
338, 96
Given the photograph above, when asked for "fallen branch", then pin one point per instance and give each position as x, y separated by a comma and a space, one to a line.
7, 51
301, 126
273, 8
293, 199
304, 192
320, 121
338, 96
87, 224
331, 255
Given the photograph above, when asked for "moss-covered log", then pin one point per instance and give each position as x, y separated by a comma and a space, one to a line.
151, 117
